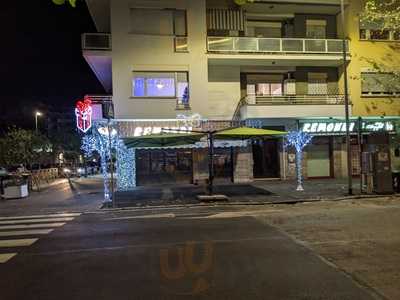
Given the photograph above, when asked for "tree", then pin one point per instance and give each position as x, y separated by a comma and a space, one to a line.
299, 140
385, 11
61, 2
20, 146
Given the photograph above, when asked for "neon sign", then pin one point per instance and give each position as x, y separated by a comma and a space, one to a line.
340, 127
83, 113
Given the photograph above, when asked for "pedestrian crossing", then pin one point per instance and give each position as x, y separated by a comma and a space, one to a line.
23, 231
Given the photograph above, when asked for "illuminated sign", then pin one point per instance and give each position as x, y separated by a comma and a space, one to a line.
340, 127
83, 113
140, 131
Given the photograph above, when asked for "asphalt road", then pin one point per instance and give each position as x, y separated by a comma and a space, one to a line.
166, 254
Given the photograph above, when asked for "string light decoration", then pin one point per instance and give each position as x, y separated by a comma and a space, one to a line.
126, 167
98, 140
299, 140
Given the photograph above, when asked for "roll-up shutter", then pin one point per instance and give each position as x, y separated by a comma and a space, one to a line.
225, 19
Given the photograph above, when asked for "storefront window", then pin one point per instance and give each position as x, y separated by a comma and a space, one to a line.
164, 166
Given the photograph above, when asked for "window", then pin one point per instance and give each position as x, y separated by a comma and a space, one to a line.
161, 85
374, 30
264, 84
379, 83
158, 21
317, 84
262, 29
316, 29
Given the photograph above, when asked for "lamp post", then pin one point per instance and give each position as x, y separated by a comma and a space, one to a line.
37, 114
346, 101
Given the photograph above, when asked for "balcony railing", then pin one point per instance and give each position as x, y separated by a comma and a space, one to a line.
275, 45
96, 41
295, 100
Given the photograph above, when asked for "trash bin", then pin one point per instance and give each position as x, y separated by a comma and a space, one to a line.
14, 187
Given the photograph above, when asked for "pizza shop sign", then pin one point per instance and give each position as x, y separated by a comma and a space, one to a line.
335, 127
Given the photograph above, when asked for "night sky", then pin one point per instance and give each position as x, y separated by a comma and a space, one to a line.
42, 63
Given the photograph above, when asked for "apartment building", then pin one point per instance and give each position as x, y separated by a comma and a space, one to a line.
269, 64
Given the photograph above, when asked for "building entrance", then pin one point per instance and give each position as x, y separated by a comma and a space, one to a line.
266, 159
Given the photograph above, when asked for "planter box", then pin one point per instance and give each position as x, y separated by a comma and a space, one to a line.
14, 192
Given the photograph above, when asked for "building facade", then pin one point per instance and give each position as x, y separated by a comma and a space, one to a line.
269, 64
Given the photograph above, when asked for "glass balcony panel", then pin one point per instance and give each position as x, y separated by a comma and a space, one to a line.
335, 46
315, 45
220, 43
269, 45
292, 45
246, 44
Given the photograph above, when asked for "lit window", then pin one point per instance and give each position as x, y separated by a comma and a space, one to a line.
161, 85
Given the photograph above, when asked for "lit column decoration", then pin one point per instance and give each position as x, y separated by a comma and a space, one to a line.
299, 140
126, 161
126, 167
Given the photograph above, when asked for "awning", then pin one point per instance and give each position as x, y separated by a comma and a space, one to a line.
247, 133
163, 140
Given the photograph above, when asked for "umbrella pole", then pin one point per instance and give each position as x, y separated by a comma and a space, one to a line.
210, 163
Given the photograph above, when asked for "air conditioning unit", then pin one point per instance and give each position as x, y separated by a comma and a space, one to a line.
96, 41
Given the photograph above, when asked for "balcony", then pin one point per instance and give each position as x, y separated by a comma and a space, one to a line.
277, 51
274, 45
97, 52
295, 100
291, 106
102, 106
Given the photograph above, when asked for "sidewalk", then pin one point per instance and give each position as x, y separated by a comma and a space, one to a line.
78, 195
258, 192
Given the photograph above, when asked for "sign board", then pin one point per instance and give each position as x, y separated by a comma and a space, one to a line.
334, 127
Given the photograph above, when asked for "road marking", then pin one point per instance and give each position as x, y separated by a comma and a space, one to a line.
16, 243
25, 232
47, 225
36, 221
154, 216
41, 216
6, 257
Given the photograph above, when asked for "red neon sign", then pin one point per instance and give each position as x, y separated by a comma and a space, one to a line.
83, 112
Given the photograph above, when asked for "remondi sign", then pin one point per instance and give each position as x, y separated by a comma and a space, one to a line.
329, 127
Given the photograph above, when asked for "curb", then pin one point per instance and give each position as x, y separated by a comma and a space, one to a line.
254, 203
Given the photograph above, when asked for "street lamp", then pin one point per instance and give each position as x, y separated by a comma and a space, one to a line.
346, 101
37, 114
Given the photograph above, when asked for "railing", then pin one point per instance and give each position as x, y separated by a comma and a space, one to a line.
295, 100
42, 177
99, 98
274, 45
96, 41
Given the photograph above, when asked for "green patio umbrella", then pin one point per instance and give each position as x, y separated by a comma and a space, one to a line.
163, 140
245, 133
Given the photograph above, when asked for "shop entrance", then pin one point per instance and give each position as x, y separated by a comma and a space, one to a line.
266, 159
319, 158
163, 166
